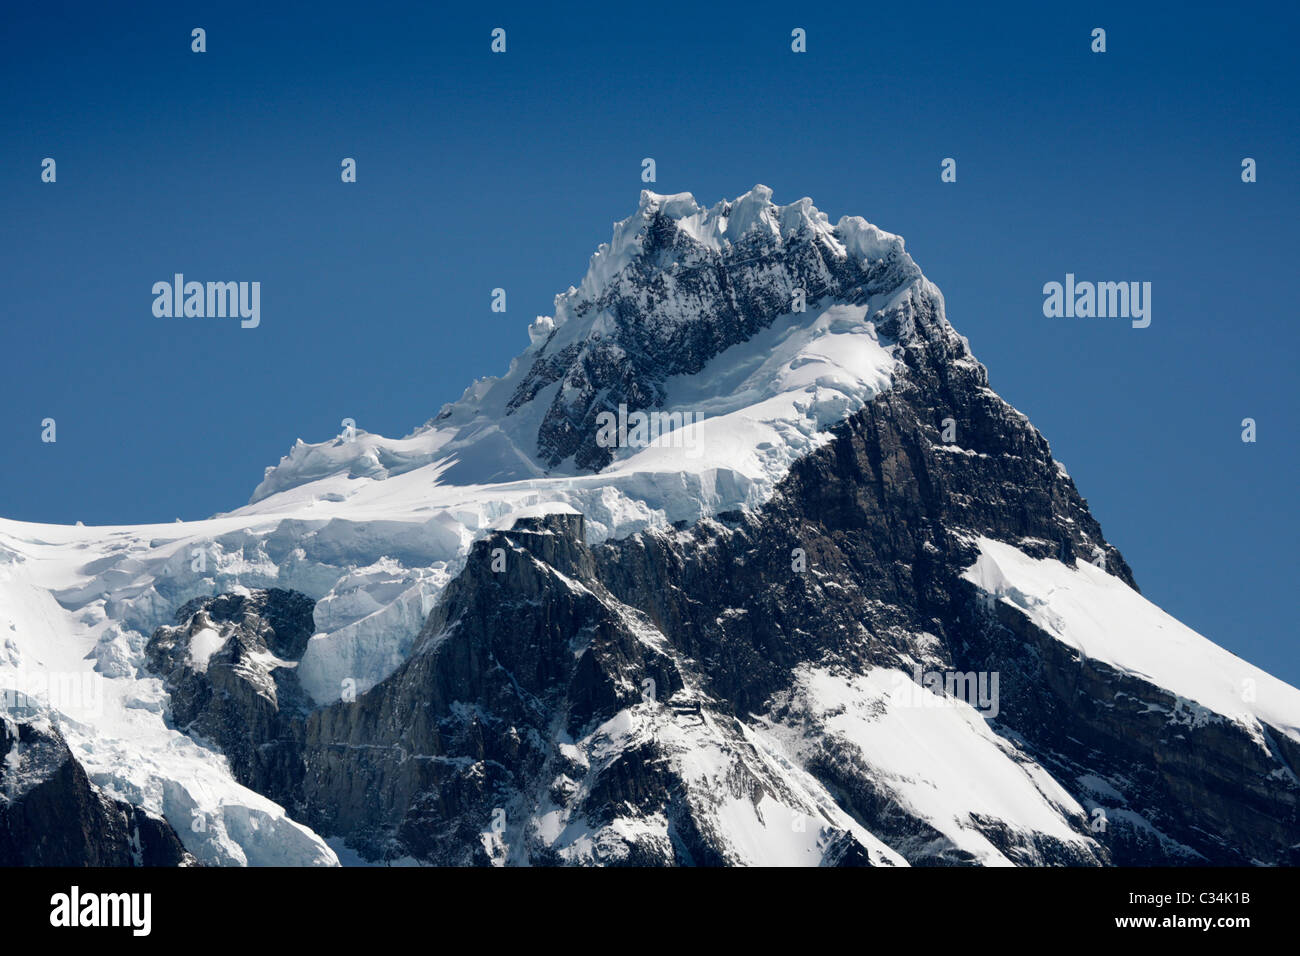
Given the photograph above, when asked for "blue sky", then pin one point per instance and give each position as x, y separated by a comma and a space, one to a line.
478, 170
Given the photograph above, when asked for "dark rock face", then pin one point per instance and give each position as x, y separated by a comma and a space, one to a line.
497, 718
51, 814
227, 664
885, 515
510, 663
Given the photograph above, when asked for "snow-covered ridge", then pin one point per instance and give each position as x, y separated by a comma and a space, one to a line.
1102, 618
374, 528
942, 763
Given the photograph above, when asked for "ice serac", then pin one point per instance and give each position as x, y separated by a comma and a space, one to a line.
83, 674
497, 641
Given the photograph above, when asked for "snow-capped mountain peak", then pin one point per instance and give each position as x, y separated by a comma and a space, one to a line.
792, 541
683, 234
679, 287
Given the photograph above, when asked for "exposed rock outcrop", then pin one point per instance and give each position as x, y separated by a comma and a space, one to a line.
52, 815
228, 664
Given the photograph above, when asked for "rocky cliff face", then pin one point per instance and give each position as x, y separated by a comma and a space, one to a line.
228, 664
52, 815
541, 719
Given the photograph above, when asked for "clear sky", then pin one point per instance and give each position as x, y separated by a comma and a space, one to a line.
478, 171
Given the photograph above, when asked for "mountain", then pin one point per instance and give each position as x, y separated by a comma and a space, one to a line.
742, 561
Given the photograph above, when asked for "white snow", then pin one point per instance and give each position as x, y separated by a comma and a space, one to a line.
203, 644
937, 758
1102, 618
789, 820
